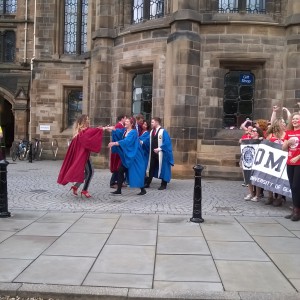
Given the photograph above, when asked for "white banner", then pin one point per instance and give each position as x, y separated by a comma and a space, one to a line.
269, 168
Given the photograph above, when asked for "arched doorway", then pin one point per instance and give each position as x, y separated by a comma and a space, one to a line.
7, 122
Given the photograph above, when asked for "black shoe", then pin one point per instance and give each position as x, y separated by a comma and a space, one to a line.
116, 192
162, 187
142, 192
147, 186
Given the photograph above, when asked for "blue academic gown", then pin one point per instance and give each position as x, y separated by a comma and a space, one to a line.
131, 154
167, 159
145, 138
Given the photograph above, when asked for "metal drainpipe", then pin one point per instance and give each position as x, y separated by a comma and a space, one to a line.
31, 64
26, 30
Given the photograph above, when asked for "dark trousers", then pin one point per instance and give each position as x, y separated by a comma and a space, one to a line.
154, 163
121, 176
114, 178
88, 174
293, 173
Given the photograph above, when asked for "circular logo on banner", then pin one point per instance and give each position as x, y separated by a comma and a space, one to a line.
248, 153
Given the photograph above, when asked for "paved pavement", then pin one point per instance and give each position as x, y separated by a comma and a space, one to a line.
143, 247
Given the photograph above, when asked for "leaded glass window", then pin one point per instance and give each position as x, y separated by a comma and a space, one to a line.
74, 105
256, 6
251, 6
238, 98
228, 6
8, 6
75, 35
142, 94
7, 46
147, 10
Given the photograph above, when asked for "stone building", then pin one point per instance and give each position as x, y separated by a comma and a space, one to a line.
203, 66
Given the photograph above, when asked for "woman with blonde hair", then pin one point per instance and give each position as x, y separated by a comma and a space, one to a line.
292, 145
77, 166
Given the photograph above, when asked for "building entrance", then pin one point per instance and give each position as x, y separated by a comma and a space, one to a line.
7, 123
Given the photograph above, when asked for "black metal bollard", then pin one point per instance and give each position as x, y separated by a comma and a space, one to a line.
4, 213
30, 153
197, 205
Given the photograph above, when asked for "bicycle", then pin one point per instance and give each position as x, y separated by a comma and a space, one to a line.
37, 149
19, 150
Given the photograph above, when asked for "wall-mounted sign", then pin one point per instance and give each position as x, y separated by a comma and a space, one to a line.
246, 79
44, 127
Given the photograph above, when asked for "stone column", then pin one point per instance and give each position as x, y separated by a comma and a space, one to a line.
101, 63
100, 66
182, 85
292, 59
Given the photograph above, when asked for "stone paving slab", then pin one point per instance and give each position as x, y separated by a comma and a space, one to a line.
11, 268
24, 247
57, 270
125, 259
185, 268
252, 276
78, 244
248, 251
133, 237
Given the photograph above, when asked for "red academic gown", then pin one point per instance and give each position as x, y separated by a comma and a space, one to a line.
87, 141
115, 160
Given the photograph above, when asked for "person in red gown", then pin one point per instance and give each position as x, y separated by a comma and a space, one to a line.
77, 167
115, 160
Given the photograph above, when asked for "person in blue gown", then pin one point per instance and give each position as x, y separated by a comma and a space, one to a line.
145, 141
126, 143
160, 158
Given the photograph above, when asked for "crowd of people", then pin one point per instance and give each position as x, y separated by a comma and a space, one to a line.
138, 154
283, 130
135, 152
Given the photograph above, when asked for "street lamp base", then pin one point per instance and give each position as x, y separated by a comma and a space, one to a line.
5, 214
197, 220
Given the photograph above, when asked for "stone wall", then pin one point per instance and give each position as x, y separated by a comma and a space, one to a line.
189, 52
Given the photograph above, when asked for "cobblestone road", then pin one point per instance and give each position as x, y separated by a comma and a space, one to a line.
32, 186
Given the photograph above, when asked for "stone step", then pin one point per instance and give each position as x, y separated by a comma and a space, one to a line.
231, 162
224, 172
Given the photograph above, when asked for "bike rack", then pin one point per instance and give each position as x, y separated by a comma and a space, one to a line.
54, 148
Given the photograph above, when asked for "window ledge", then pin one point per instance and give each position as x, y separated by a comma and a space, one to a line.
146, 25
242, 18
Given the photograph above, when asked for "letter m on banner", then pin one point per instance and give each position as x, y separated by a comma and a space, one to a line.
269, 169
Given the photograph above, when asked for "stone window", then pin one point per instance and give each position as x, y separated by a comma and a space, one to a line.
75, 26
238, 98
256, 6
147, 10
73, 103
142, 94
8, 6
228, 6
7, 46
250, 6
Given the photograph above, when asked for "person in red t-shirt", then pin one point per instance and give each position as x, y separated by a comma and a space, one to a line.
276, 134
292, 145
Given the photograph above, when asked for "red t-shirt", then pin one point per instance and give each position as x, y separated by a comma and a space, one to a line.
275, 139
246, 136
295, 149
